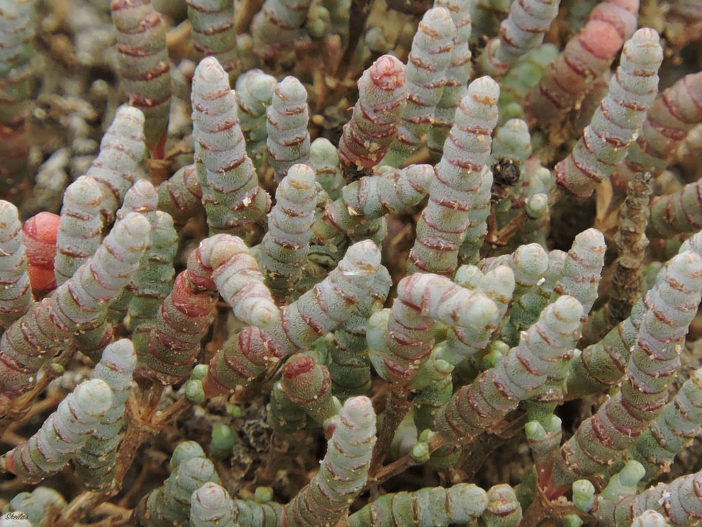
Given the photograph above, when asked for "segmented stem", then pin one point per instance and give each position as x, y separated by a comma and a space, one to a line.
63, 433
459, 196
75, 308
277, 25
287, 119
211, 506
586, 56
382, 95
522, 31
15, 290
605, 140
652, 365
527, 372
121, 151
320, 310
96, 463
408, 338
343, 472
581, 271
673, 430
308, 385
457, 75
286, 244
669, 119
170, 504
236, 199
79, 229
213, 32
254, 91
428, 507
426, 75
17, 31
144, 66
181, 195
371, 197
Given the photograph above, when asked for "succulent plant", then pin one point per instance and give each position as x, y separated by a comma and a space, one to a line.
350, 263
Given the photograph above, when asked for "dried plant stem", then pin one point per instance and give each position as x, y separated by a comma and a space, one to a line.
501, 237
153, 397
116, 516
21, 407
245, 13
137, 486
542, 509
37, 408
143, 421
400, 465
86, 501
12, 439
631, 241
136, 434
361, 10
397, 404
478, 450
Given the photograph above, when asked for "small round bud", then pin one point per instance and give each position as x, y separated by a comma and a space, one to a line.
194, 391
223, 439
263, 494
420, 452
199, 372
583, 495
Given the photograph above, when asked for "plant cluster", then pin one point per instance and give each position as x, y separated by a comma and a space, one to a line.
350, 262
